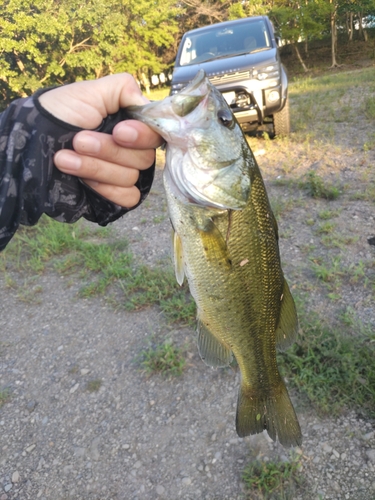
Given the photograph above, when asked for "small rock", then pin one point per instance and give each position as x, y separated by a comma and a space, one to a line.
94, 449
371, 455
74, 388
160, 489
85, 371
31, 448
15, 477
31, 405
186, 481
368, 436
137, 465
336, 453
327, 448
8, 487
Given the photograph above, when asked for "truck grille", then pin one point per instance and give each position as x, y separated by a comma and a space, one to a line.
229, 77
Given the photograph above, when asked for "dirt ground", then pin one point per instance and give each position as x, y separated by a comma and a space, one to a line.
149, 437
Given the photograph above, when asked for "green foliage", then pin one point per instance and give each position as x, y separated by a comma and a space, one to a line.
47, 43
94, 385
333, 367
317, 188
4, 396
272, 480
164, 359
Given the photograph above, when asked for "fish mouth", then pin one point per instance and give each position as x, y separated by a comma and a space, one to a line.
161, 115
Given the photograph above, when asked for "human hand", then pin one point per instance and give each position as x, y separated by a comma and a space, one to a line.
109, 164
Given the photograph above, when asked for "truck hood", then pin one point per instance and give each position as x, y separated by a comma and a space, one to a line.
221, 66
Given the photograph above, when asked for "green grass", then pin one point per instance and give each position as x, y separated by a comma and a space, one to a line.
369, 107
94, 385
163, 359
333, 367
104, 267
4, 396
316, 187
272, 480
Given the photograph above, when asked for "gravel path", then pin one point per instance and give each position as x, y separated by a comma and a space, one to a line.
84, 422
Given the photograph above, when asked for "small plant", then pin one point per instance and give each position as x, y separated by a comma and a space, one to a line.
276, 480
328, 273
326, 227
328, 214
4, 396
315, 187
94, 385
164, 359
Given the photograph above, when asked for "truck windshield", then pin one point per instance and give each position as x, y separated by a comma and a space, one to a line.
238, 39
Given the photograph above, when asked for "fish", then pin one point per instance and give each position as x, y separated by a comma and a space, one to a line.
225, 243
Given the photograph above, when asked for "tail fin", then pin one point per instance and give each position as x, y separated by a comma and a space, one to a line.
275, 413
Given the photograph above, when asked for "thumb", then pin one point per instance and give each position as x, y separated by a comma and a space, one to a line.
86, 104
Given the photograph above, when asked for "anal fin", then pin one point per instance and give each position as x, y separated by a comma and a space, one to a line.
287, 328
213, 352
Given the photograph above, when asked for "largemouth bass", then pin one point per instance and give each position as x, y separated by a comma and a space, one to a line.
226, 244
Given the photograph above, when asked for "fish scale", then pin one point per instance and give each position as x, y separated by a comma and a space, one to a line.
226, 244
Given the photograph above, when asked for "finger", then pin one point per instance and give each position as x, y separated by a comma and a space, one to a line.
86, 104
104, 147
125, 197
95, 169
133, 133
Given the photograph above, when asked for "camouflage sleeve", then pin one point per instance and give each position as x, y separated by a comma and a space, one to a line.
31, 185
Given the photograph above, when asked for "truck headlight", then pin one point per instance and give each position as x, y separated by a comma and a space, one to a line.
266, 72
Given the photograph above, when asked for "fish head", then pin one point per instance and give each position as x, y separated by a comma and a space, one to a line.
208, 160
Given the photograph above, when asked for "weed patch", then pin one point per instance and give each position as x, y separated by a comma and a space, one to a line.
103, 268
4, 396
164, 359
276, 480
334, 367
315, 186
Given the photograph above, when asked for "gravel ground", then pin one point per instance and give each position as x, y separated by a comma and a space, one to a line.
142, 437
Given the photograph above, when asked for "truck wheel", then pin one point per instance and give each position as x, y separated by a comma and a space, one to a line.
281, 121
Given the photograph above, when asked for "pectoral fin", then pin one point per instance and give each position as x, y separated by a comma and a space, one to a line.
178, 258
288, 323
213, 352
214, 245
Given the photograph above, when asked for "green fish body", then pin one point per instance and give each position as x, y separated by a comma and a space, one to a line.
225, 242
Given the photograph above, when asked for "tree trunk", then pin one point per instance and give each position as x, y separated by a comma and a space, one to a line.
305, 69
349, 25
362, 31
333, 37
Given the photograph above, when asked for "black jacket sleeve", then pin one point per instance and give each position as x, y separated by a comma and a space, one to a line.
31, 185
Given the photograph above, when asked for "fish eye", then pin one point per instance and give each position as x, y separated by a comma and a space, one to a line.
225, 117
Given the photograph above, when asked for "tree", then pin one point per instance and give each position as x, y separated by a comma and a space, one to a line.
48, 42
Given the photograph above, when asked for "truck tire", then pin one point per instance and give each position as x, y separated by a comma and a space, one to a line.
281, 121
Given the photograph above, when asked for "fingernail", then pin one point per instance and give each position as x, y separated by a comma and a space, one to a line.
124, 133
86, 144
67, 161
